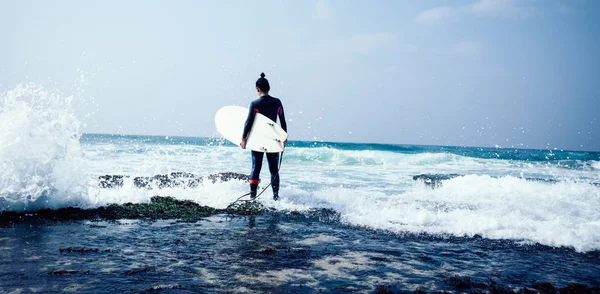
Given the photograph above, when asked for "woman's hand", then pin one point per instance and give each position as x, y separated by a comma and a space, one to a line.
243, 144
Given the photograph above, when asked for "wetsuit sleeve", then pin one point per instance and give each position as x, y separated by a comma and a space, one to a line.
252, 110
281, 115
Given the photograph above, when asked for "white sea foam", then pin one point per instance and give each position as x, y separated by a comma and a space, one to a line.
40, 156
562, 214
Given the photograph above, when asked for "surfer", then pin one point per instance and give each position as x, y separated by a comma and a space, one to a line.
272, 108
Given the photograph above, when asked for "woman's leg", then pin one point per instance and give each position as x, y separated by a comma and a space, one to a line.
257, 159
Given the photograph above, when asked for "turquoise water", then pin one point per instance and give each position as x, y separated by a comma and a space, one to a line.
548, 155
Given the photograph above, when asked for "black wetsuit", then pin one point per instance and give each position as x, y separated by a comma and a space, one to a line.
272, 108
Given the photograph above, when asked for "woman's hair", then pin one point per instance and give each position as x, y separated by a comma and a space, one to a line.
263, 84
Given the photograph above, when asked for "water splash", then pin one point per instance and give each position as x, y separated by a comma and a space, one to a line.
40, 154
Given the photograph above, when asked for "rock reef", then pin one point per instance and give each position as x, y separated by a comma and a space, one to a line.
158, 208
436, 180
174, 179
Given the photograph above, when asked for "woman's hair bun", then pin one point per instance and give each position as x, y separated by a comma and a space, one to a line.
262, 83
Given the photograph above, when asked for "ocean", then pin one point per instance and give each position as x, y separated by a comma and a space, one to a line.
407, 217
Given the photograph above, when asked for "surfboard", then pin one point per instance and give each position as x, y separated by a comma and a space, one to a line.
265, 135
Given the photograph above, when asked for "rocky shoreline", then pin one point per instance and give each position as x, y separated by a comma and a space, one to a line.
158, 208
271, 252
266, 250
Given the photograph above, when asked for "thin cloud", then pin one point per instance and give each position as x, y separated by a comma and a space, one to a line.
481, 8
501, 7
437, 15
493, 6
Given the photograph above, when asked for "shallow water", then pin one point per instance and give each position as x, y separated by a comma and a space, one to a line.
269, 253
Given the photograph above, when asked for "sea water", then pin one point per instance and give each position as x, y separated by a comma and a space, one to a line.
501, 193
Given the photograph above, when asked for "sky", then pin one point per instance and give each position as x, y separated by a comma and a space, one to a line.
506, 73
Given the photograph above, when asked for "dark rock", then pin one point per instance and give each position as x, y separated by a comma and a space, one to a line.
142, 270
246, 208
377, 258
228, 176
79, 250
110, 181
174, 179
544, 287
435, 180
381, 289
501, 291
62, 272
576, 288
160, 288
268, 250
158, 208
460, 282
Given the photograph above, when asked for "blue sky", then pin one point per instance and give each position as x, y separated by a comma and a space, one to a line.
475, 73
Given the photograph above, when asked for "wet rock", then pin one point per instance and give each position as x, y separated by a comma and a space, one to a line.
110, 181
378, 258
323, 214
577, 288
268, 250
79, 250
392, 289
158, 208
465, 284
228, 176
142, 270
460, 282
436, 180
174, 179
246, 208
161, 288
544, 287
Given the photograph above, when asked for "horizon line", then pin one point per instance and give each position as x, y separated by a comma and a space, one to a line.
369, 143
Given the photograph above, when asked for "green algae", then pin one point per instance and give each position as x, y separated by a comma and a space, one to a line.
159, 207
246, 208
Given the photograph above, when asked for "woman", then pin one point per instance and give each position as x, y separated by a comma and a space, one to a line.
272, 108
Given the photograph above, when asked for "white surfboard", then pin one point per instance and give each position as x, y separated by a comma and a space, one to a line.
265, 135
